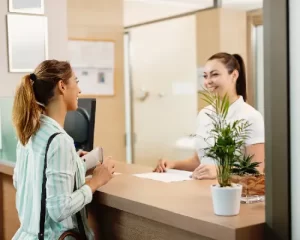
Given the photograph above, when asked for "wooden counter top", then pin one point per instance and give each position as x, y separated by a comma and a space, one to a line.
7, 167
184, 205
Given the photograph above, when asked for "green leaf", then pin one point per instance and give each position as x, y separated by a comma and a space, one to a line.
228, 140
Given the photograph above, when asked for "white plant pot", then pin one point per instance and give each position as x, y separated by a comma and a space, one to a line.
226, 200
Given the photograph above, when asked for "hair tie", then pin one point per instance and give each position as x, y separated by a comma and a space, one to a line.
40, 104
33, 77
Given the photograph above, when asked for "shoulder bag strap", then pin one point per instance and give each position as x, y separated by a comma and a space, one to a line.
43, 199
79, 219
44, 196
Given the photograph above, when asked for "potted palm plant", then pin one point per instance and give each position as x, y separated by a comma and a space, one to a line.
228, 141
245, 173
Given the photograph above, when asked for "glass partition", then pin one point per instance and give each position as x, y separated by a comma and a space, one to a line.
294, 52
8, 139
259, 66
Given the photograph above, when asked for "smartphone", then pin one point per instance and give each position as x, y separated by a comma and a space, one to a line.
93, 158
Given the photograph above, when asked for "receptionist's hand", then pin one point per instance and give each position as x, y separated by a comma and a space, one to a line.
205, 172
163, 165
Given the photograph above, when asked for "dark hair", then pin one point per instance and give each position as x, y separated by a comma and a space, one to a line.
33, 95
234, 62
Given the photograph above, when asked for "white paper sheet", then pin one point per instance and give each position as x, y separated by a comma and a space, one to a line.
95, 81
170, 176
91, 54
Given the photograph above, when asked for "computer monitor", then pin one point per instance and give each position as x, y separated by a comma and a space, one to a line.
80, 124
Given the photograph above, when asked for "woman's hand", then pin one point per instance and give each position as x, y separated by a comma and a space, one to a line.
163, 165
109, 162
205, 172
102, 174
81, 153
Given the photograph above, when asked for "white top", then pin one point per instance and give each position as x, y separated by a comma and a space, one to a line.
237, 110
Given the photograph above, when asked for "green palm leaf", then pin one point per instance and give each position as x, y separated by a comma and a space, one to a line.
229, 140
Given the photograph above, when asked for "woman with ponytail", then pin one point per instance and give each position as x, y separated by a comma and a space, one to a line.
224, 74
49, 176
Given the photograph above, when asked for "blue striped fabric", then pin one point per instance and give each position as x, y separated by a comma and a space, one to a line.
63, 165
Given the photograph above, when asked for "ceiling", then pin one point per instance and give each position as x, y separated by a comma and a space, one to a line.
139, 11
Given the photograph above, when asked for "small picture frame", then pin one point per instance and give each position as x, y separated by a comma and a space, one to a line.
27, 6
27, 41
101, 77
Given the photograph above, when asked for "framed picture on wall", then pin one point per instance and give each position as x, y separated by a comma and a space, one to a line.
27, 41
93, 61
27, 6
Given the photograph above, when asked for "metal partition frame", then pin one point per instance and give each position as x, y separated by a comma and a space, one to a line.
277, 119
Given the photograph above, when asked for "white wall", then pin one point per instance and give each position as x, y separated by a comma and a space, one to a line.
294, 8
56, 11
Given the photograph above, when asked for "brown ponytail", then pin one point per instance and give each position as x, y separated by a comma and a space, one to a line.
234, 62
241, 87
26, 111
33, 95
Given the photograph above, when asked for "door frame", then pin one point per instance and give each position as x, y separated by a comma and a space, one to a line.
129, 119
254, 19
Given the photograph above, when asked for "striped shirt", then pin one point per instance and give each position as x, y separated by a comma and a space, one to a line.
63, 165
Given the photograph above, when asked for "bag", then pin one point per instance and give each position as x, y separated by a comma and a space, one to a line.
70, 233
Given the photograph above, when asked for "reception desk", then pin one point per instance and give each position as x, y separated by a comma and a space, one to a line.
138, 209
133, 208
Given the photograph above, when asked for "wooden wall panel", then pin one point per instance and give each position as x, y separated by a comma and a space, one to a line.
102, 19
208, 35
9, 221
220, 30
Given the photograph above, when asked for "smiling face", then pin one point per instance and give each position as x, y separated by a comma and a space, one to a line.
218, 79
70, 92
